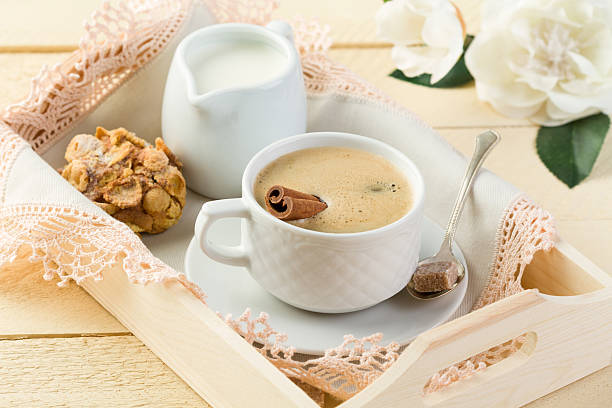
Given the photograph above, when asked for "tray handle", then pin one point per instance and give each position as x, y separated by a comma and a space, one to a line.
558, 328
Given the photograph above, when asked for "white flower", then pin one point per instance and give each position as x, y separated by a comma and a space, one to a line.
550, 60
427, 35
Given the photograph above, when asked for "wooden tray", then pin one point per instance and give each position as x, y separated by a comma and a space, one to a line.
567, 321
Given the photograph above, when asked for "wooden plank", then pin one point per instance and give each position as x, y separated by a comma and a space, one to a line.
121, 371
591, 238
516, 160
352, 22
594, 391
88, 372
33, 307
456, 107
17, 71
34, 25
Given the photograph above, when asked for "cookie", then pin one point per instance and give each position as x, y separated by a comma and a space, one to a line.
132, 180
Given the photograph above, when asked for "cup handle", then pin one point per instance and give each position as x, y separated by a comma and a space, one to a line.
281, 27
211, 212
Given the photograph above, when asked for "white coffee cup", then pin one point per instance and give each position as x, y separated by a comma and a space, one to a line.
319, 271
215, 131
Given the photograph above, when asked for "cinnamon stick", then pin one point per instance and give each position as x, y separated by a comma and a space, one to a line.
288, 205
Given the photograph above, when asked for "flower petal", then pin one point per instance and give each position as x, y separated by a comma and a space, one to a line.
548, 59
599, 51
487, 57
522, 103
398, 24
435, 48
513, 111
413, 61
444, 65
443, 29
582, 86
493, 11
584, 66
577, 103
549, 115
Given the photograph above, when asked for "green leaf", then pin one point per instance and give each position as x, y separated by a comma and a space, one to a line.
457, 76
569, 151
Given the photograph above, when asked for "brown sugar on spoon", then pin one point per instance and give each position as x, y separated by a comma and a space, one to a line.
288, 205
435, 277
132, 180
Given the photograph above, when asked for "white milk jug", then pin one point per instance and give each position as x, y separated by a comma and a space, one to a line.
231, 90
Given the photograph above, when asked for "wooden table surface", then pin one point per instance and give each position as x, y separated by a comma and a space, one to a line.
58, 347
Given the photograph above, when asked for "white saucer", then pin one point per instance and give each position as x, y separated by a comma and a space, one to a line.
231, 289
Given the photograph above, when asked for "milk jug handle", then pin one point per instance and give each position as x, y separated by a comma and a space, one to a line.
281, 27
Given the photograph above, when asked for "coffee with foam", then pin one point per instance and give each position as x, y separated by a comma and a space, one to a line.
363, 191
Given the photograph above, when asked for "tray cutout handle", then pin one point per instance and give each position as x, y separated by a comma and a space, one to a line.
573, 340
453, 343
506, 364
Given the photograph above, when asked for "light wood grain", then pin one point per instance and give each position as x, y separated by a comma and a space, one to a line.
31, 306
594, 391
516, 161
32, 25
88, 372
456, 107
555, 274
121, 371
17, 71
352, 23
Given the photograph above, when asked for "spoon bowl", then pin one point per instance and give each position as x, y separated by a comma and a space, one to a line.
432, 295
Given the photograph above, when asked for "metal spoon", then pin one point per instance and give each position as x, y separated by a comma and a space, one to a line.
484, 144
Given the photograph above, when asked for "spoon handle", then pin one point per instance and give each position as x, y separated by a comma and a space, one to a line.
484, 144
